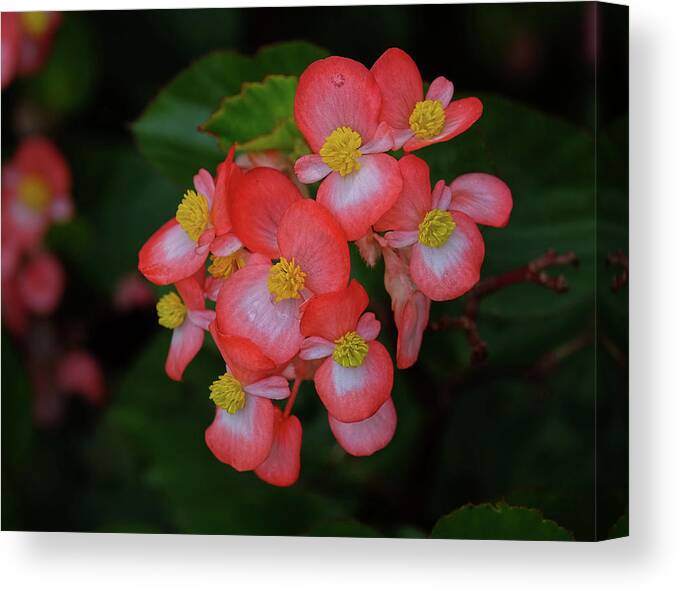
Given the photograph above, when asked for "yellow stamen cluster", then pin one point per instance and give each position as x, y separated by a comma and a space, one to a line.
436, 228
35, 23
224, 267
193, 214
171, 311
427, 119
340, 151
286, 280
227, 393
34, 192
350, 350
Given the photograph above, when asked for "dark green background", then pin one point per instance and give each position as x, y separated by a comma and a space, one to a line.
505, 431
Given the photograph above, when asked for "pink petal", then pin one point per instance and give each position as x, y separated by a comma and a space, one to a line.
258, 203
246, 308
316, 348
204, 184
450, 271
401, 239
311, 168
186, 342
244, 439
442, 196
225, 245
401, 87
381, 142
363, 438
332, 315
309, 234
78, 372
459, 116
483, 197
411, 322
191, 293
202, 318
283, 464
336, 92
169, 255
368, 326
441, 89
359, 199
414, 200
354, 393
41, 283
273, 387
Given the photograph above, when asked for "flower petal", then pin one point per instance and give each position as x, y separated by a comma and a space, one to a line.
336, 92
226, 244
411, 321
401, 87
242, 440
273, 387
170, 255
316, 348
414, 200
186, 342
381, 142
246, 308
354, 393
459, 116
228, 176
41, 283
258, 203
401, 239
79, 373
450, 271
332, 315
483, 197
204, 184
311, 168
363, 438
283, 464
441, 89
309, 234
368, 326
191, 293
359, 199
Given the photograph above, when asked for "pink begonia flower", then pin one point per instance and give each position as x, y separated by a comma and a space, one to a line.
416, 121
356, 377
41, 283
36, 186
363, 438
26, 42
271, 159
262, 301
410, 307
336, 108
201, 225
243, 431
447, 247
132, 292
185, 314
78, 372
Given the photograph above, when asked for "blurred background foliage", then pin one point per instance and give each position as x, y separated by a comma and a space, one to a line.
123, 95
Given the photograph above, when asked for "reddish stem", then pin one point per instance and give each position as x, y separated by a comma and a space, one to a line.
292, 398
533, 272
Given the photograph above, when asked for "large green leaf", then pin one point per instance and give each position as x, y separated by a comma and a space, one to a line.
498, 522
167, 131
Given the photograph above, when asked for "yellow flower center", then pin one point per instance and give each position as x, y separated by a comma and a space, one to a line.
34, 192
227, 393
427, 119
350, 350
436, 228
286, 280
340, 150
193, 214
35, 23
224, 267
171, 311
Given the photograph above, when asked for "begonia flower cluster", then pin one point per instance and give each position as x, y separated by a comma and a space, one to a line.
276, 262
36, 194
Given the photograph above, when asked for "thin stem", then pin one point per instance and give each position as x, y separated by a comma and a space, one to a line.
292, 398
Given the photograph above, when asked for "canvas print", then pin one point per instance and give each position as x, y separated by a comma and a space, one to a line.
282, 271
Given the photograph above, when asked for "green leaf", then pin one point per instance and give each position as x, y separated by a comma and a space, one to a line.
498, 522
167, 131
